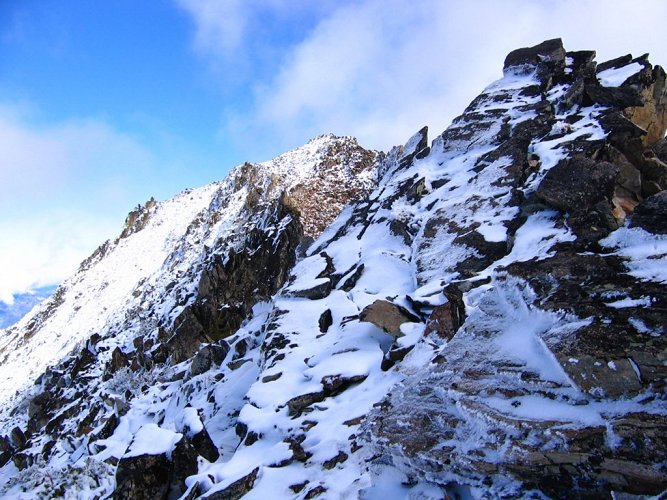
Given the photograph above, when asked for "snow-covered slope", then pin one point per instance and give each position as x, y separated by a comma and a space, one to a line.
487, 322
161, 246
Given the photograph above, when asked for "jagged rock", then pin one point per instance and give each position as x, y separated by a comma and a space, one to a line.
335, 384
208, 356
197, 435
38, 411
332, 462
109, 426
352, 280
237, 489
315, 492
138, 218
416, 147
617, 62
188, 335
118, 360
204, 445
387, 316
22, 460
651, 115
613, 96
298, 487
228, 290
549, 50
83, 361
86, 424
651, 215
298, 453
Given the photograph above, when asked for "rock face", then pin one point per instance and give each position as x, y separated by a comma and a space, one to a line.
528, 395
486, 318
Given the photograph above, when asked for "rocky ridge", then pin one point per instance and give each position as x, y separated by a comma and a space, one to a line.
146, 301
488, 321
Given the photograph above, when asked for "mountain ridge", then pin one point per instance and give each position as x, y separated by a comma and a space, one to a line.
483, 319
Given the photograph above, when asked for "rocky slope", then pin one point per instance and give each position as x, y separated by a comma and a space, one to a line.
182, 272
487, 322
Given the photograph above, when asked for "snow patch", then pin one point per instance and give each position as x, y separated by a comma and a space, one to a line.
615, 77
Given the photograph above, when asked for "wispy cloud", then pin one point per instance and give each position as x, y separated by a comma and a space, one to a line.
221, 26
380, 69
41, 161
44, 250
64, 189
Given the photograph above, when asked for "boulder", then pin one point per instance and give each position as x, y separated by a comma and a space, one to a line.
145, 477
583, 188
549, 50
325, 321
578, 184
159, 475
18, 437
387, 316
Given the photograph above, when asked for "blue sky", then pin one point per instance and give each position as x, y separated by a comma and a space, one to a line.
104, 104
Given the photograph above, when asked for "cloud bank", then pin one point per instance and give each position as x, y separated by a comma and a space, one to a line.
380, 69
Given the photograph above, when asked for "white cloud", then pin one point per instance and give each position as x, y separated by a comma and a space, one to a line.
39, 162
46, 249
221, 26
380, 69
64, 189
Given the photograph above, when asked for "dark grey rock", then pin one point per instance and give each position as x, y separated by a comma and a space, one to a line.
209, 356
237, 489
550, 50
325, 321
651, 214
146, 477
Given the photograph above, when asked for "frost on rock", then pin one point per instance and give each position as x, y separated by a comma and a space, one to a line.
484, 318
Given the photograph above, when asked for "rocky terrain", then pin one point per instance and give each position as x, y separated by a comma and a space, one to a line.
478, 317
